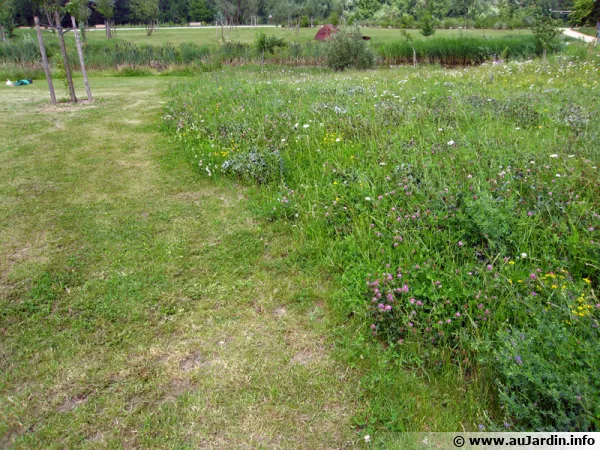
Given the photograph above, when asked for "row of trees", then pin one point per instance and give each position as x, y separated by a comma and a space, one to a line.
404, 12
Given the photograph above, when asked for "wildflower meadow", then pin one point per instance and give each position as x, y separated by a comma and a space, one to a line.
458, 210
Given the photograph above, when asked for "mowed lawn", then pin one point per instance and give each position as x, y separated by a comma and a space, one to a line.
208, 36
142, 306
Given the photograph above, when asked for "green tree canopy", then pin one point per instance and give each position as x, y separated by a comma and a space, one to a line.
146, 12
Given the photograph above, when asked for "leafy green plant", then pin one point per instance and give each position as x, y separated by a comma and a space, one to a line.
427, 28
582, 12
347, 48
407, 21
546, 32
264, 44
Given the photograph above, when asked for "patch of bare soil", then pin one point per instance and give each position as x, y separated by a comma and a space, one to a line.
73, 402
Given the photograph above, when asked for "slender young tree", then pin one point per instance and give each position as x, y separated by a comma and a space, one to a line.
86, 82
546, 31
38, 30
63, 51
81, 12
410, 40
146, 11
49, 7
106, 8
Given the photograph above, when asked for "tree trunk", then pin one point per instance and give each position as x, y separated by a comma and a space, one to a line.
107, 28
45, 59
49, 18
63, 51
2, 33
217, 30
81, 61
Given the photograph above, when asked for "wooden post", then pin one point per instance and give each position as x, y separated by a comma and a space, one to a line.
45, 59
81, 61
63, 51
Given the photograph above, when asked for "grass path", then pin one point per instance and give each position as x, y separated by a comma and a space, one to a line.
577, 35
141, 306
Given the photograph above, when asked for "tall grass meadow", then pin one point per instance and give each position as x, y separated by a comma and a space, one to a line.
458, 208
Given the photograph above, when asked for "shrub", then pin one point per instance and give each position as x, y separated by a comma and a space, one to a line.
407, 21
450, 23
348, 49
264, 44
427, 26
304, 22
582, 12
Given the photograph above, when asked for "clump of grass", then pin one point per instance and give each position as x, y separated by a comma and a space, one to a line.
455, 206
461, 50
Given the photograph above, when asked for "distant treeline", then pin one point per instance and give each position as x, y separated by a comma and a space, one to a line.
508, 13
